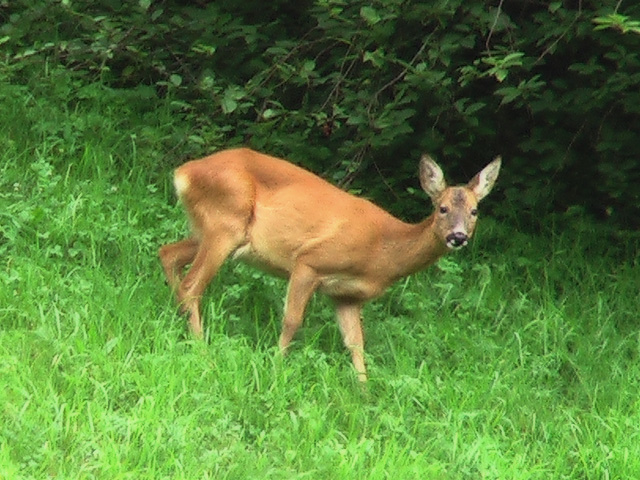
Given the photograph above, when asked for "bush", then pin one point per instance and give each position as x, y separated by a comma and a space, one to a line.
358, 90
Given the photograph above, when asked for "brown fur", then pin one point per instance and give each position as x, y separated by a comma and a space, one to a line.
288, 221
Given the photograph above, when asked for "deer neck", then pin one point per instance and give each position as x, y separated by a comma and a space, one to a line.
415, 247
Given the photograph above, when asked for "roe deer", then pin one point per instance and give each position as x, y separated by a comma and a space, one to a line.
290, 222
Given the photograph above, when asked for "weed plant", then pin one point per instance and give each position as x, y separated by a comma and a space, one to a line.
514, 359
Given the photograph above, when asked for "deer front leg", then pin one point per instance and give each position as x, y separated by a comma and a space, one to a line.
351, 327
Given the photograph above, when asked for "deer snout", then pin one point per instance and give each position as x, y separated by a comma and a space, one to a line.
457, 240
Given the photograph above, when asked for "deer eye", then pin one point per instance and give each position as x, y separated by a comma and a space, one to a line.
474, 212
444, 210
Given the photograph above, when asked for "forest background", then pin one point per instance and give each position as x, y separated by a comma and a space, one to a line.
357, 90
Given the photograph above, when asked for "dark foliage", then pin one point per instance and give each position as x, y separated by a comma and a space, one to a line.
357, 90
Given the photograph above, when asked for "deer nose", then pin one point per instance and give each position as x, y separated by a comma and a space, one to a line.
457, 239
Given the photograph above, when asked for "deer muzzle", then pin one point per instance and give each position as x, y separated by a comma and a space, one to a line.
457, 240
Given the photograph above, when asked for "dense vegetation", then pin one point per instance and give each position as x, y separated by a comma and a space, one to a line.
358, 89
516, 358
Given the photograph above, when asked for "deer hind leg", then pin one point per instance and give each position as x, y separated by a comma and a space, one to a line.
176, 256
219, 205
351, 327
302, 284
212, 251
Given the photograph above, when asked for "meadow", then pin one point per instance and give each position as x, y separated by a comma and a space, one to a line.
516, 358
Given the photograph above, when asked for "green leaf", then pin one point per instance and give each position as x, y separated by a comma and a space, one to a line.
555, 6
473, 108
175, 80
156, 14
376, 57
205, 49
307, 68
500, 74
270, 113
370, 15
508, 94
615, 21
229, 105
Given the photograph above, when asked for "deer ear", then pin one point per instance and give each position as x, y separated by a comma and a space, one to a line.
483, 182
431, 178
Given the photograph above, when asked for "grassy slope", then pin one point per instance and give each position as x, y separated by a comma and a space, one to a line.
516, 358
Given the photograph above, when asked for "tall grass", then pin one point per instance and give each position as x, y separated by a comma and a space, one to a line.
517, 358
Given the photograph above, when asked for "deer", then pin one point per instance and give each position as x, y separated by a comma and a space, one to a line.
287, 221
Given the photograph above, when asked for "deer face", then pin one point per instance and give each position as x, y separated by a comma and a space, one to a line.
456, 214
456, 207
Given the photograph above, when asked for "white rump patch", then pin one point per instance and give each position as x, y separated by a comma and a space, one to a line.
181, 183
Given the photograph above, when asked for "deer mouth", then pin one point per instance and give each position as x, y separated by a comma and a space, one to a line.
457, 240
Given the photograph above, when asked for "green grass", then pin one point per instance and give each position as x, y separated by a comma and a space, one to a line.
514, 359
